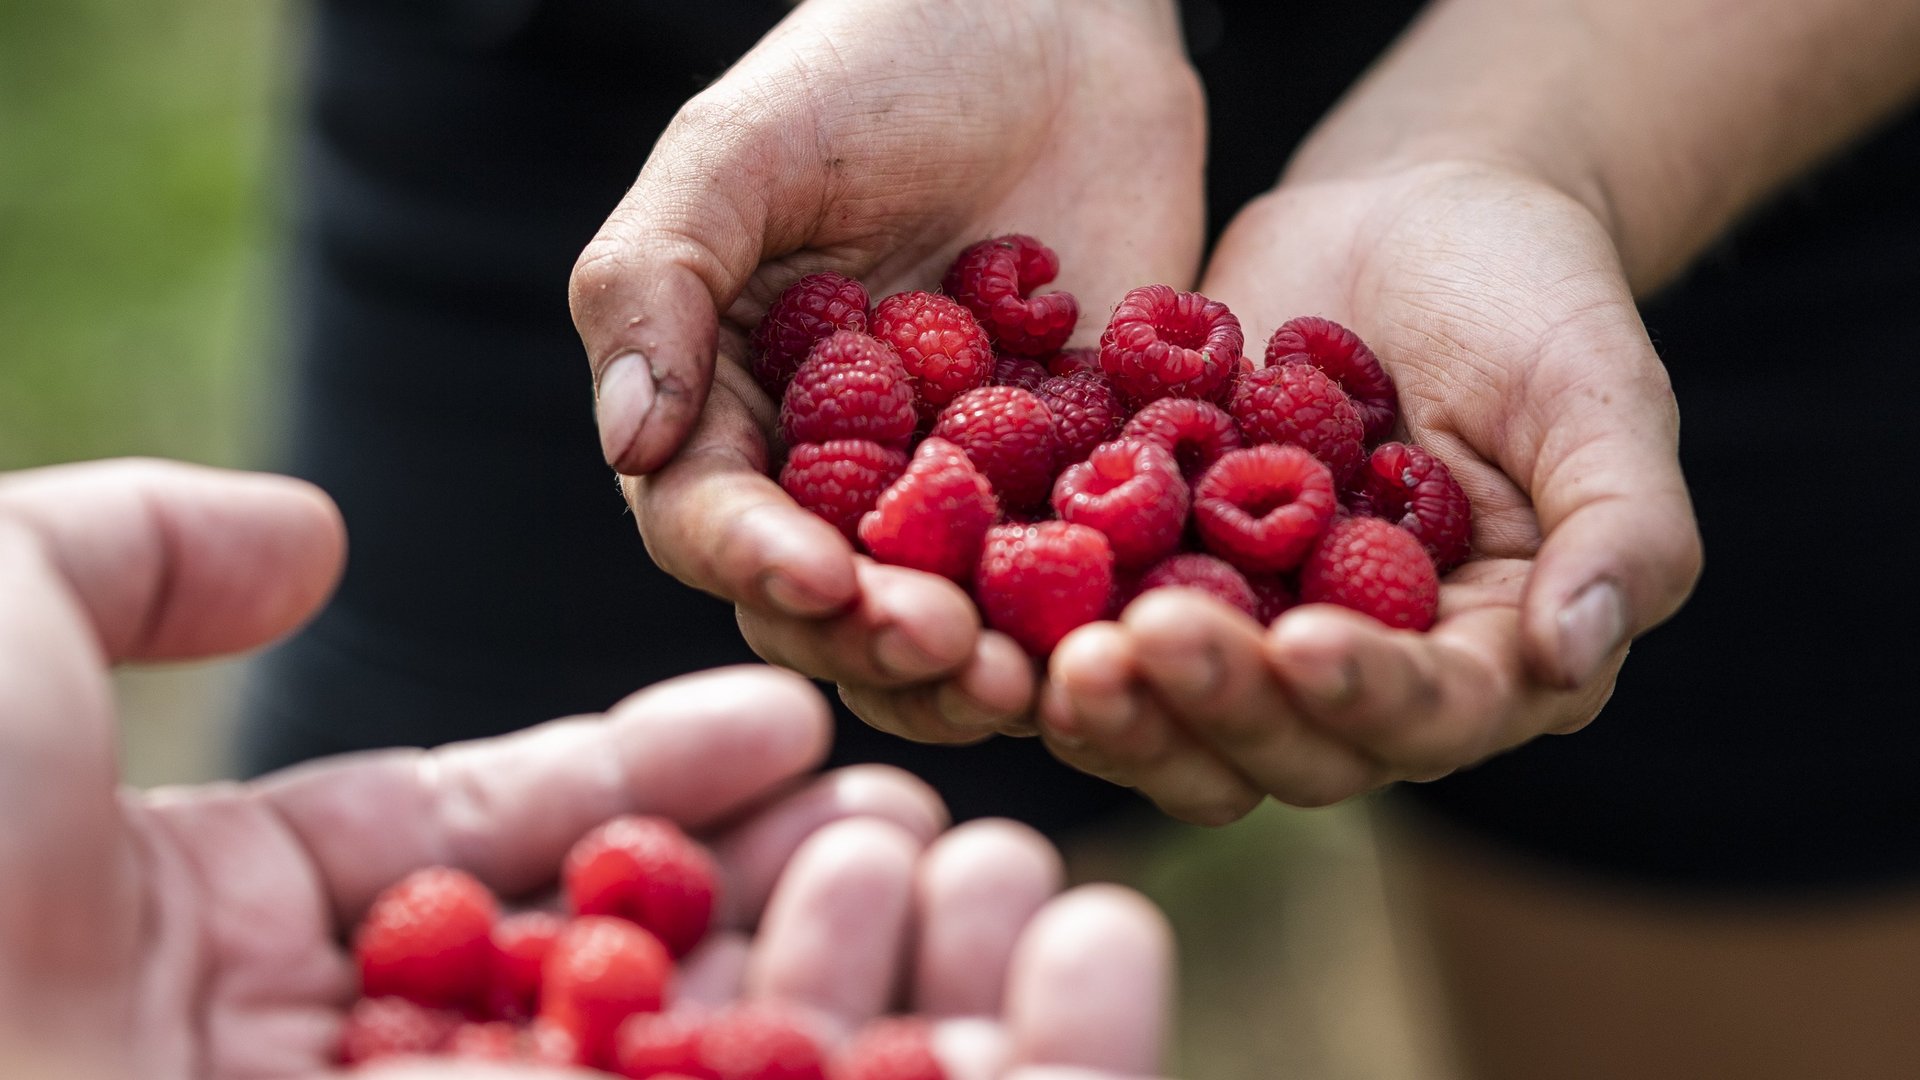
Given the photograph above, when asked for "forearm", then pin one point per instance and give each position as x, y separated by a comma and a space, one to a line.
1668, 118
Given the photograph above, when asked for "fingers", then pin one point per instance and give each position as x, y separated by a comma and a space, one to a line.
991, 693
1090, 982
907, 627
979, 886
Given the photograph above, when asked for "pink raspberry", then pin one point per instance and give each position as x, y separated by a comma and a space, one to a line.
1164, 343
1069, 361
1414, 490
995, 279
1203, 572
1086, 412
657, 1045
384, 1027
520, 945
1020, 371
890, 1049
841, 480
1008, 434
1262, 508
935, 517
810, 309
646, 870
536, 1044
850, 387
1299, 405
1374, 567
1340, 353
1037, 583
1275, 594
1132, 492
759, 1042
1196, 433
945, 350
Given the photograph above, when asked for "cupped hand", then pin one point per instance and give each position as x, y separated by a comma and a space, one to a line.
1499, 305
876, 139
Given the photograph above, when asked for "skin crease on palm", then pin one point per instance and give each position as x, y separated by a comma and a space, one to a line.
198, 932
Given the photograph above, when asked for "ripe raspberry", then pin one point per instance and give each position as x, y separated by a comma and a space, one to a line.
1299, 405
995, 279
1010, 370
1275, 594
1414, 490
1039, 582
1374, 567
810, 309
1008, 435
1086, 412
935, 517
759, 1042
850, 387
1196, 433
1163, 343
520, 946
944, 349
1262, 508
426, 939
653, 1045
384, 1027
1070, 361
841, 480
890, 1049
1132, 492
602, 970
1346, 359
536, 1044
1195, 571
647, 871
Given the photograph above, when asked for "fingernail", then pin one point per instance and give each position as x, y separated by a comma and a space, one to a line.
902, 657
790, 596
959, 708
1592, 625
621, 404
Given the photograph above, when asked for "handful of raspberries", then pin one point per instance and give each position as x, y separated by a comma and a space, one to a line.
954, 433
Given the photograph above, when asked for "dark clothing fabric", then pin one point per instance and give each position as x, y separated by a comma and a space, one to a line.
457, 155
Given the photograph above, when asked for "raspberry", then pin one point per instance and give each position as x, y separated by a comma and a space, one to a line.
1299, 405
1196, 433
1039, 582
995, 279
850, 387
660, 1044
1069, 361
1346, 359
1262, 508
890, 1049
426, 939
520, 946
810, 309
935, 516
1374, 567
1086, 412
1008, 435
758, 1042
383, 1027
1010, 370
841, 480
602, 970
1203, 572
647, 871
1163, 343
1414, 490
1132, 492
536, 1044
944, 349
1275, 595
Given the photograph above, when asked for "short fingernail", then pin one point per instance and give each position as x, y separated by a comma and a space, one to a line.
621, 404
902, 657
1592, 626
787, 593
958, 708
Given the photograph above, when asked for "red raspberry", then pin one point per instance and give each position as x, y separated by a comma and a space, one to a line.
1203, 572
1008, 435
810, 309
1010, 370
935, 517
602, 970
384, 1027
995, 279
1196, 433
1163, 343
890, 1049
1275, 594
520, 946
944, 349
1346, 359
759, 1042
426, 939
647, 871
536, 1044
653, 1045
1070, 361
841, 480
851, 387
1299, 405
1375, 567
1039, 582
1086, 412
1414, 490
1132, 492
1262, 508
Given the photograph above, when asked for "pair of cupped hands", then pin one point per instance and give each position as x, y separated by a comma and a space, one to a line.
877, 139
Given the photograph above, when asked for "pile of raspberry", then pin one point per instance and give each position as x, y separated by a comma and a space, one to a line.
444, 972
955, 433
